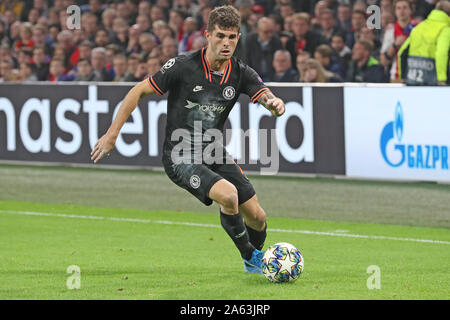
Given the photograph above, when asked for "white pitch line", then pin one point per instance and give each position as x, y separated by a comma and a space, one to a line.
205, 225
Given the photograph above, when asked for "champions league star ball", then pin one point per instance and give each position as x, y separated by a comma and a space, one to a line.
282, 262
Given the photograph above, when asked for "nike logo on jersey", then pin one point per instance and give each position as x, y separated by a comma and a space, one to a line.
204, 107
197, 88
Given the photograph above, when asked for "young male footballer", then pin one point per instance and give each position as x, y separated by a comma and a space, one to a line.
203, 87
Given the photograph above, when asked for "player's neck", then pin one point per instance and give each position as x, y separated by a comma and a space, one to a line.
215, 64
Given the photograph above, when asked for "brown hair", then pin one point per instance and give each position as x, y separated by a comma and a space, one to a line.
367, 44
225, 17
321, 73
325, 50
397, 1
302, 16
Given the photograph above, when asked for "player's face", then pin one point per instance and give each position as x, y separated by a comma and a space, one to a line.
222, 42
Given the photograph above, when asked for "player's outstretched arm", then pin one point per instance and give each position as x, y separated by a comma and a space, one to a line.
106, 143
273, 104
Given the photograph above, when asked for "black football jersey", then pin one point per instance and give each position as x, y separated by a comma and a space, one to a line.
198, 96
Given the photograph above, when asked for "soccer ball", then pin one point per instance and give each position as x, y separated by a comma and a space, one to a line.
282, 262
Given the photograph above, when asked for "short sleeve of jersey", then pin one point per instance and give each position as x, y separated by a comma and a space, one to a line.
167, 77
252, 84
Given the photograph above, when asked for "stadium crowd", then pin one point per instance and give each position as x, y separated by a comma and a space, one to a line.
283, 40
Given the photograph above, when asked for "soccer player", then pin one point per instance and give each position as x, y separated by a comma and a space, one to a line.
203, 87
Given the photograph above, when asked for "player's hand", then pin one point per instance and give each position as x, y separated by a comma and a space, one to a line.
276, 106
102, 147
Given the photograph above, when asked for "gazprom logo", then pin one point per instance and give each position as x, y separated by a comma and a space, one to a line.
415, 156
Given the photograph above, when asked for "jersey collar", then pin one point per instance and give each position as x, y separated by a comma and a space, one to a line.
207, 69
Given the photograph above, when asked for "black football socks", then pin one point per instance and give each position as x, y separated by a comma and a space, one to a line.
257, 238
235, 227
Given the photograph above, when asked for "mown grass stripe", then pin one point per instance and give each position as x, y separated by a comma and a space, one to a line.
205, 225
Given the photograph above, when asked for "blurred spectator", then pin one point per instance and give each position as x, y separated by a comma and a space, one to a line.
176, 20
344, 53
168, 49
358, 22
329, 61
394, 36
132, 65
327, 24
261, 47
25, 37
147, 42
359, 5
41, 65
258, 12
282, 64
53, 31
344, 15
101, 37
157, 13
314, 72
26, 73
134, 32
7, 71
120, 29
144, 23
190, 33
57, 71
300, 63
39, 36
153, 65
112, 50
363, 67
107, 19
386, 6
53, 16
199, 43
140, 73
89, 24
369, 34
286, 9
33, 16
144, 8
284, 38
72, 53
161, 30
187, 6
387, 17
277, 23
85, 49
319, 7
304, 39
120, 68
24, 55
98, 62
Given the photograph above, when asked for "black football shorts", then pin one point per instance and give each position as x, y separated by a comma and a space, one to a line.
198, 179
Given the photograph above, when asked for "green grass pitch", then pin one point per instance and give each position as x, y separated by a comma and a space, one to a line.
135, 235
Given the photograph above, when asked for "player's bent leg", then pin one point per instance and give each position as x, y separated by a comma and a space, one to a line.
255, 221
226, 195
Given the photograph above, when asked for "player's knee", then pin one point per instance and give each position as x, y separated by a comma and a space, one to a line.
260, 220
230, 201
